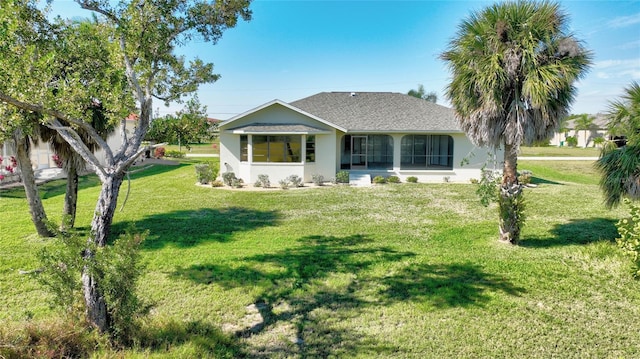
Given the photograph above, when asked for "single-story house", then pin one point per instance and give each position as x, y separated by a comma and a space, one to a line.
366, 133
42, 153
585, 138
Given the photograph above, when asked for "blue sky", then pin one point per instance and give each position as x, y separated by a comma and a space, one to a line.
293, 49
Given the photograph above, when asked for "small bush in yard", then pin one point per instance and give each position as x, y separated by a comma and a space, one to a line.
175, 154
379, 180
295, 180
525, 177
264, 181
237, 183
217, 183
228, 178
284, 183
412, 179
158, 152
393, 179
342, 177
317, 179
206, 172
629, 240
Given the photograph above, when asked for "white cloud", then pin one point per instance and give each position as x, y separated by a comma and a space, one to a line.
624, 21
610, 69
629, 45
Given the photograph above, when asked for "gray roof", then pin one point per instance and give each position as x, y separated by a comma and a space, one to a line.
600, 122
257, 128
379, 112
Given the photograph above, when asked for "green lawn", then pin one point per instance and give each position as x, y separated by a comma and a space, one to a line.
197, 148
553, 151
408, 271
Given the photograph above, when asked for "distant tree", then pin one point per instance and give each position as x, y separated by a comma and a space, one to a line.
513, 70
620, 167
583, 122
421, 94
189, 125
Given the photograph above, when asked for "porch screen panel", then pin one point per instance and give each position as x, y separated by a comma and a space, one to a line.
425, 152
380, 151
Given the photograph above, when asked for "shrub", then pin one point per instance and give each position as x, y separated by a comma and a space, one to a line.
379, 180
228, 178
571, 141
217, 183
174, 154
116, 267
237, 183
295, 180
342, 177
393, 179
264, 181
317, 179
598, 141
446, 179
206, 172
412, 179
158, 152
52, 338
284, 183
474, 181
629, 240
524, 177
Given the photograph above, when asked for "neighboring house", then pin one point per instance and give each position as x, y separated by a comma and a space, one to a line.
42, 154
370, 133
598, 129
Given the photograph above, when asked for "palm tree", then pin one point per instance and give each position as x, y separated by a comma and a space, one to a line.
72, 162
583, 122
513, 70
620, 167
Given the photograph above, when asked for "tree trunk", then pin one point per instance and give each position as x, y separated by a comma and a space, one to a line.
96, 306
71, 196
97, 311
510, 199
38, 215
106, 208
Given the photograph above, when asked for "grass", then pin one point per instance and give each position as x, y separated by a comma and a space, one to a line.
197, 148
410, 271
553, 151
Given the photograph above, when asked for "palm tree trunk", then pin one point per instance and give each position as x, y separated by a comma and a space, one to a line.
510, 199
71, 196
36, 208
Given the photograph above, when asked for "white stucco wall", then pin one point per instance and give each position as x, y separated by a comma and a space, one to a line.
276, 114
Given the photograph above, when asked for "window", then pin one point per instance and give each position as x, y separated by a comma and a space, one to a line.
311, 149
430, 152
277, 148
244, 148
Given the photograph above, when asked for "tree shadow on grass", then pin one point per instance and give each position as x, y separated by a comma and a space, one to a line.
192, 227
576, 232
312, 290
538, 180
444, 285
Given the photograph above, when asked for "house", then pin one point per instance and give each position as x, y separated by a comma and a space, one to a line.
42, 154
597, 129
368, 133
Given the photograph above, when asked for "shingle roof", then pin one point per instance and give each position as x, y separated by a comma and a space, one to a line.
379, 111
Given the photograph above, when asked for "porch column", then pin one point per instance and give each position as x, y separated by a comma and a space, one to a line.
397, 150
